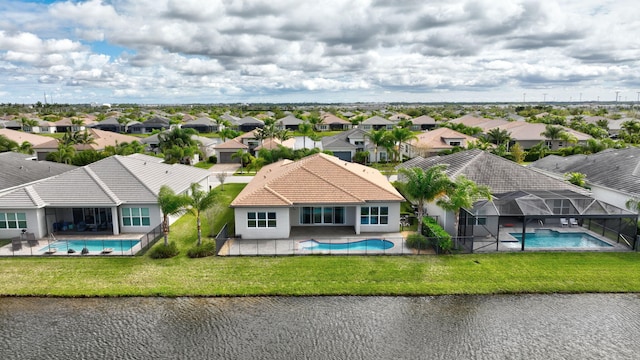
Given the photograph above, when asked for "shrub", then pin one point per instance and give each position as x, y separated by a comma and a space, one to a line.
208, 248
213, 159
164, 252
417, 241
442, 238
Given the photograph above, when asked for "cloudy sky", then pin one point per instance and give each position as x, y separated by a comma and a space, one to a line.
197, 51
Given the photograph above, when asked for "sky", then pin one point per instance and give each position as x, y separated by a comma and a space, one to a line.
329, 51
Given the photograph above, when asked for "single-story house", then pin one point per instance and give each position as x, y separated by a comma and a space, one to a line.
346, 144
148, 126
376, 123
430, 143
224, 152
332, 122
248, 124
115, 195
318, 190
202, 125
423, 122
288, 122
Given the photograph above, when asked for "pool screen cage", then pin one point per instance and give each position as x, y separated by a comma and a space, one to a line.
487, 224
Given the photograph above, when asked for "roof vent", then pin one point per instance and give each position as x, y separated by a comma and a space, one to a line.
166, 172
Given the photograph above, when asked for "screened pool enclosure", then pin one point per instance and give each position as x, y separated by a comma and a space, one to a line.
505, 223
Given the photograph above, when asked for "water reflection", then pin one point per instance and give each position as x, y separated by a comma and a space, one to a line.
450, 327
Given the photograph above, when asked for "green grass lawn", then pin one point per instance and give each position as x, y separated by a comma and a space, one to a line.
555, 272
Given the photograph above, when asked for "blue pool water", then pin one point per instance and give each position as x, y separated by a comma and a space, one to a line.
369, 244
556, 239
91, 245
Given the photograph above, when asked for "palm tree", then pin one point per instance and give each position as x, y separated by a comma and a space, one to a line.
552, 132
463, 194
7, 144
168, 142
197, 202
498, 136
379, 138
576, 178
28, 124
25, 148
243, 156
423, 186
227, 133
170, 204
305, 129
401, 135
64, 154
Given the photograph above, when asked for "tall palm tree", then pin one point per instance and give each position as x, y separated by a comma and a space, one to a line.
552, 132
64, 154
423, 186
170, 204
379, 138
197, 202
305, 129
243, 156
498, 136
401, 135
7, 144
463, 194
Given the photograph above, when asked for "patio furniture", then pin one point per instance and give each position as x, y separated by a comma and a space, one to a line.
107, 250
564, 222
31, 239
16, 244
573, 222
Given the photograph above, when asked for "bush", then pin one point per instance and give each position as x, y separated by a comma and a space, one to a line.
208, 248
417, 241
443, 240
213, 159
164, 252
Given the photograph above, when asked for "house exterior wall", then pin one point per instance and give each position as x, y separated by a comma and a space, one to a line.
281, 231
35, 223
349, 216
393, 224
610, 196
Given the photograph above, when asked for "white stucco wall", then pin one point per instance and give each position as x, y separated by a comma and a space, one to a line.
281, 231
394, 219
610, 196
35, 221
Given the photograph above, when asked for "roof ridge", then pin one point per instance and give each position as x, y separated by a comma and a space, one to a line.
102, 185
34, 196
277, 194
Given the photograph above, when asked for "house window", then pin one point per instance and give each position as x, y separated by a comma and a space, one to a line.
261, 219
135, 217
13, 221
455, 143
322, 215
374, 215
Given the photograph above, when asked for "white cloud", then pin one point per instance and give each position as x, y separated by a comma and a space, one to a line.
187, 50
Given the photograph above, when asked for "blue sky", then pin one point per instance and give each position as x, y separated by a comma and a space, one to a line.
191, 51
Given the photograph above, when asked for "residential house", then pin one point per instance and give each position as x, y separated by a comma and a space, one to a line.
66, 125
40, 127
346, 144
288, 122
101, 140
33, 139
147, 127
330, 122
423, 122
613, 175
202, 125
376, 123
225, 151
114, 195
248, 123
113, 124
317, 191
502, 176
432, 142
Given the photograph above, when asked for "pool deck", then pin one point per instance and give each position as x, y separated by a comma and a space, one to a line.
509, 243
291, 245
41, 248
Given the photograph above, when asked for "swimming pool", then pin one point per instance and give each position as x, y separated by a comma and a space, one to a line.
556, 239
368, 244
91, 245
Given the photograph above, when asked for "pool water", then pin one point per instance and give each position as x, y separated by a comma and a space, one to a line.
91, 245
556, 239
368, 244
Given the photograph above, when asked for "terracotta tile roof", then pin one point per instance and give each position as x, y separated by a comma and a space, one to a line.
232, 144
434, 139
316, 179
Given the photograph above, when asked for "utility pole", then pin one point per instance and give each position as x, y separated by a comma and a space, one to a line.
544, 97
617, 92
524, 97
580, 97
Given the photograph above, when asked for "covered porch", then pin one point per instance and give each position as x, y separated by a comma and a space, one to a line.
77, 220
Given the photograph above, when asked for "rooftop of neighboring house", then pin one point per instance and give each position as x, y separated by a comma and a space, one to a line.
499, 174
617, 169
316, 179
19, 169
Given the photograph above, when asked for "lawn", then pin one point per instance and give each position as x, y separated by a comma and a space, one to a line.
555, 272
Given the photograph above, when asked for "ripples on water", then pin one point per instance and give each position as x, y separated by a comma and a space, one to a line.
448, 327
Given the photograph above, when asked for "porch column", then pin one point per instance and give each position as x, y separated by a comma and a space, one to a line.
115, 221
357, 220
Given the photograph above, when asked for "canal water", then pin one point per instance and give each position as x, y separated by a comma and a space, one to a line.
588, 326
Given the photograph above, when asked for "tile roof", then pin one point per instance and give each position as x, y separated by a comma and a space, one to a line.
232, 144
289, 120
377, 120
617, 169
316, 179
18, 169
329, 118
108, 182
434, 139
499, 174
20, 137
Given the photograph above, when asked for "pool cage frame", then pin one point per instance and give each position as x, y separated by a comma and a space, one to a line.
520, 211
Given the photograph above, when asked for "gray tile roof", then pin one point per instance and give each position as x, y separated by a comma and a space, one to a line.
617, 169
108, 182
499, 174
341, 140
18, 170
